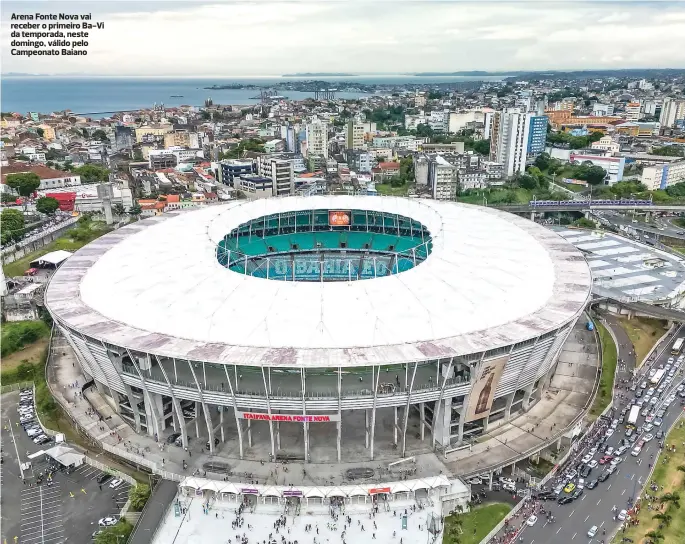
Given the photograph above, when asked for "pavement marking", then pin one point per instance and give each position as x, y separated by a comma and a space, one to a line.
602, 525
571, 513
600, 500
559, 529
588, 517
631, 478
574, 536
583, 497
608, 488
545, 525
624, 492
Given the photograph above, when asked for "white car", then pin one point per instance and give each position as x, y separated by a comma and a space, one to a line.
107, 522
622, 515
593, 531
115, 483
509, 481
532, 520
474, 481
585, 460
647, 428
580, 484
609, 432
509, 487
647, 437
593, 463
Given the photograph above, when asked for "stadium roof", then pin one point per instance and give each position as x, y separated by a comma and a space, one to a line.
492, 279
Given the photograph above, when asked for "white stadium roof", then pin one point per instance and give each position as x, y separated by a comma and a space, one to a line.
492, 279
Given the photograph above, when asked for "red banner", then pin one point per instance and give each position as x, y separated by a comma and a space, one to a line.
288, 418
376, 490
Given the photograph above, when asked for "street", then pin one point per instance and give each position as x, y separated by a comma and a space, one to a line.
597, 507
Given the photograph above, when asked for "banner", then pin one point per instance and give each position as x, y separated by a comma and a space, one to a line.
483, 391
338, 218
288, 418
377, 490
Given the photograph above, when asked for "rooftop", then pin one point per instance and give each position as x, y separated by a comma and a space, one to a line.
492, 279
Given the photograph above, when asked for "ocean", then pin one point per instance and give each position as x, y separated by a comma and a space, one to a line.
45, 94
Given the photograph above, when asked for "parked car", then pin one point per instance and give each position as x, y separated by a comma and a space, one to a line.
531, 520
622, 515
592, 484
570, 487
116, 483
107, 522
172, 438
592, 532
104, 478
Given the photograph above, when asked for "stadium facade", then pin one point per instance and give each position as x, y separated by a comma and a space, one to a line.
309, 327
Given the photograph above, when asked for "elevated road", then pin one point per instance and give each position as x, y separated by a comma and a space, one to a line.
584, 206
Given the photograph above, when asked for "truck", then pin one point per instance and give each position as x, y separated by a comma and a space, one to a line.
677, 346
632, 417
658, 375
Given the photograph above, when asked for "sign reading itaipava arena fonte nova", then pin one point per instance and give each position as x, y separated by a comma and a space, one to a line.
292, 418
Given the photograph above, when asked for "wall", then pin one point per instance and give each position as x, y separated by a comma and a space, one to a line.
9, 256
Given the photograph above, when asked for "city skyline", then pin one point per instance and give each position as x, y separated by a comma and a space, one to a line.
360, 37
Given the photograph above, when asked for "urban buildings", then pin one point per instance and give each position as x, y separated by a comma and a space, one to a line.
537, 134
442, 179
613, 166
49, 177
317, 139
509, 139
660, 176
355, 135
672, 112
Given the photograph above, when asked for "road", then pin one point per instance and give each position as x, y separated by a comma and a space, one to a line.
661, 226
594, 507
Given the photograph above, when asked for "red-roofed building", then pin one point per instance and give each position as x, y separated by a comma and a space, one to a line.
385, 170
49, 177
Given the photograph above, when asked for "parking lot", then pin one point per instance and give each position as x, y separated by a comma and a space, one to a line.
67, 510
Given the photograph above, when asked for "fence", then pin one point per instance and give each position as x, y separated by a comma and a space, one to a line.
492, 534
105, 468
15, 387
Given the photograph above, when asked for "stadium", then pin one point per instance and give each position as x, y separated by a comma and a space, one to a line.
321, 329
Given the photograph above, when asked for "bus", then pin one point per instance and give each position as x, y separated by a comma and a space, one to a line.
677, 346
658, 375
632, 417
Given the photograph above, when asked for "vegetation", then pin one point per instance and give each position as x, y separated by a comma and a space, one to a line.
566, 140
116, 534
386, 118
18, 334
11, 225
594, 175
24, 184
474, 526
665, 523
609, 360
643, 332
73, 239
138, 496
47, 205
91, 173
250, 144
388, 190
669, 151
584, 223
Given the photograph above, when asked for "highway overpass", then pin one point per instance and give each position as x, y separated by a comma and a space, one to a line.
584, 206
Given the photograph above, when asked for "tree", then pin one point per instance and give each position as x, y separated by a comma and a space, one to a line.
116, 534
99, 134
424, 131
40, 132
25, 184
91, 173
11, 225
118, 209
482, 147
138, 496
47, 205
668, 151
138, 155
594, 175
526, 181
135, 210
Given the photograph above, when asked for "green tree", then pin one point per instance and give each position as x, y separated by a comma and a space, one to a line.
118, 209
584, 223
24, 184
91, 173
47, 205
668, 151
100, 134
116, 534
424, 131
526, 181
482, 147
11, 225
138, 155
543, 161
138, 496
40, 132
135, 210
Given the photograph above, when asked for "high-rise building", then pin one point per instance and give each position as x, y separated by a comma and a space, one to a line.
282, 176
672, 111
537, 134
509, 140
355, 135
633, 111
317, 138
442, 178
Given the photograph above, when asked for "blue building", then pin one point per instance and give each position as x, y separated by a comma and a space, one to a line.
233, 168
537, 134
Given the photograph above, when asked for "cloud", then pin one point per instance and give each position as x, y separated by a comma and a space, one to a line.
269, 37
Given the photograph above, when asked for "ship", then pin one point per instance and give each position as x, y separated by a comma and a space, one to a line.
176, 96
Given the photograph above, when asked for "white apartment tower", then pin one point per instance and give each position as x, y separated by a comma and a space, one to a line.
671, 111
442, 179
509, 140
317, 138
281, 172
355, 135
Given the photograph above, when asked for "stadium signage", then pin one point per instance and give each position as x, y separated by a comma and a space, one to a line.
338, 218
288, 418
377, 490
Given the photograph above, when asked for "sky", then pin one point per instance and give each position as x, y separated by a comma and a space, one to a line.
265, 37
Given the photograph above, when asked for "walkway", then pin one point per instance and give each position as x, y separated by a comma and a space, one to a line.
560, 406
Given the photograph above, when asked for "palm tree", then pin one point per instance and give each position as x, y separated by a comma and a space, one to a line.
664, 518
654, 536
118, 209
673, 498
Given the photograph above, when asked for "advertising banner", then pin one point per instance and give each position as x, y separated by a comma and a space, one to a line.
289, 418
377, 490
338, 218
483, 392
292, 493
